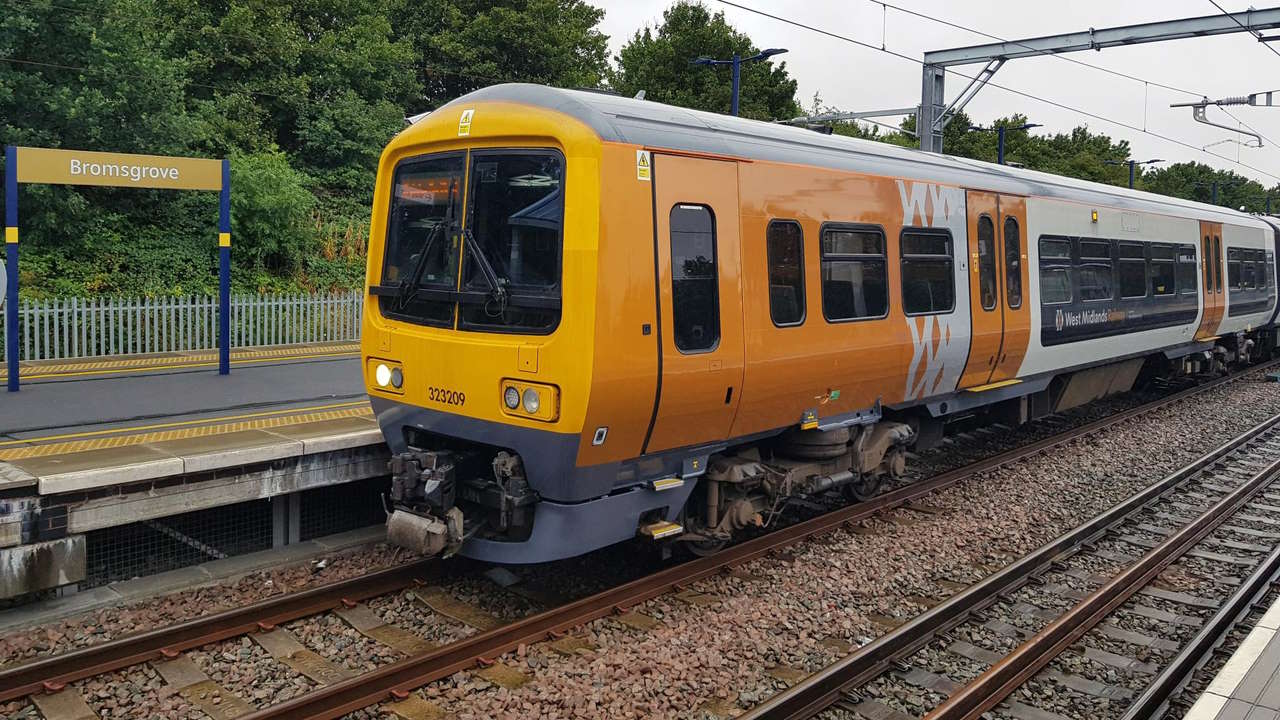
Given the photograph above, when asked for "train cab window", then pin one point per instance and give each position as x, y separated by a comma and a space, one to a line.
854, 273
785, 249
1163, 276
1217, 263
928, 272
1187, 270
421, 254
1133, 270
1093, 271
987, 262
1267, 270
1055, 271
1012, 263
695, 301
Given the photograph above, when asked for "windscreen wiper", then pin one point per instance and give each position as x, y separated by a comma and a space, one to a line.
409, 288
486, 269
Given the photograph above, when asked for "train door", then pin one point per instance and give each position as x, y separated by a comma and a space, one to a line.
1001, 320
1211, 293
983, 210
699, 300
1011, 255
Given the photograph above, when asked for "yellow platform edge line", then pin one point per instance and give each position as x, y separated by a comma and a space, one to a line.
43, 368
182, 423
66, 448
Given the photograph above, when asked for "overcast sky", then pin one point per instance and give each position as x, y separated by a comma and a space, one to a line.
851, 77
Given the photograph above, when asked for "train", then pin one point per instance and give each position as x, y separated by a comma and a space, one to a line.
593, 318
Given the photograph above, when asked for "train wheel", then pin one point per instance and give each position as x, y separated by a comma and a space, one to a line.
862, 489
706, 548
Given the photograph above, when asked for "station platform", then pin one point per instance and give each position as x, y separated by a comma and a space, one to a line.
105, 442
1248, 685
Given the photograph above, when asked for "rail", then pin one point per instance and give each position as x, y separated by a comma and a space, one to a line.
827, 686
52, 673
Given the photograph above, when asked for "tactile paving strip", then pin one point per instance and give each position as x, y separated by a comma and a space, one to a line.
185, 429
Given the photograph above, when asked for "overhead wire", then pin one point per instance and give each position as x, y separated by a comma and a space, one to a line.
1015, 91
1244, 27
1065, 58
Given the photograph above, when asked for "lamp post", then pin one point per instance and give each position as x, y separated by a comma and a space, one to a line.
999, 131
736, 62
1132, 164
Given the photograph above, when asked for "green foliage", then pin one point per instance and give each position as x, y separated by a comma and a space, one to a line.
658, 61
270, 210
468, 44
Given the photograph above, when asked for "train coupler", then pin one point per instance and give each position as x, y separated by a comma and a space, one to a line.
426, 534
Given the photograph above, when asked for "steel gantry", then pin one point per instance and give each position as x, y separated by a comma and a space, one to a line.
935, 113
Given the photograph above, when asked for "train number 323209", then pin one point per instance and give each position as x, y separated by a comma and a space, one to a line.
448, 397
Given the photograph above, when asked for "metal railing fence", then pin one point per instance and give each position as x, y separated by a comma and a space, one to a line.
65, 328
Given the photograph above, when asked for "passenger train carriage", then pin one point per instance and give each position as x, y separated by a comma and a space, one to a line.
592, 317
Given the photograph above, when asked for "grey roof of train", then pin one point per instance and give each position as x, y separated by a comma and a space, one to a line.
642, 122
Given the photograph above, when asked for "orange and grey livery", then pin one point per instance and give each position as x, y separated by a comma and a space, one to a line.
592, 317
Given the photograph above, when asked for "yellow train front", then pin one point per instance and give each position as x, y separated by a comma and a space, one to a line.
492, 351
592, 318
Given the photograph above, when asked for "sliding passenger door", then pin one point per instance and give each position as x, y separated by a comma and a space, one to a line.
1211, 294
997, 280
984, 289
700, 300
1012, 257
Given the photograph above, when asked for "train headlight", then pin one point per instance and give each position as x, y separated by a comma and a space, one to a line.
531, 401
382, 375
511, 397
397, 378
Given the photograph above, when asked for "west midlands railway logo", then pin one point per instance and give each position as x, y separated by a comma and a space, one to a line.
1063, 318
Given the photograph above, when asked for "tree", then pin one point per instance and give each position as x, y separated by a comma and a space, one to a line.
464, 45
658, 61
1195, 181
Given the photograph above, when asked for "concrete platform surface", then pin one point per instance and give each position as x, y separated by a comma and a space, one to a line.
1248, 686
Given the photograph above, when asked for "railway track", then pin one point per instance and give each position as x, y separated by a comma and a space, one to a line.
395, 680
1080, 623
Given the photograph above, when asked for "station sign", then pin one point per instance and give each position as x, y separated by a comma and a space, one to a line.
83, 167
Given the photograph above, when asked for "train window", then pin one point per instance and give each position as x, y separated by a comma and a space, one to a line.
987, 262
421, 253
1055, 271
1233, 268
928, 272
1164, 269
1187, 270
1217, 264
695, 301
1208, 264
785, 249
854, 273
1268, 270
1133, 270
1093, 271
1012, 263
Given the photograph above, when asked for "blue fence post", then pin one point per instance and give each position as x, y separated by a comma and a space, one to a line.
11, 260
224, 272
